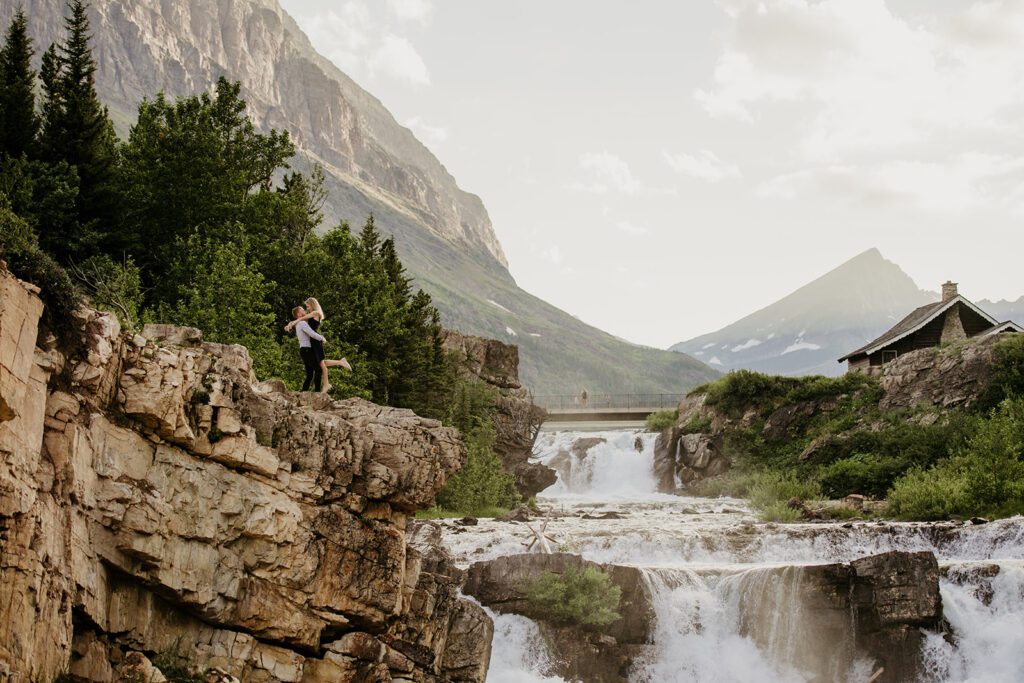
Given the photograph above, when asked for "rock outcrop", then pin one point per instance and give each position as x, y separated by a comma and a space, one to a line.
920, 387
154, 497
589, 654
517, 419
876, 608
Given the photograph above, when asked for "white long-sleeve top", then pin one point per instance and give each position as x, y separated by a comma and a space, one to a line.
304, 332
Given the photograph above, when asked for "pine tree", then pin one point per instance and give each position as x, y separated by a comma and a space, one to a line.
19, 123
77, 128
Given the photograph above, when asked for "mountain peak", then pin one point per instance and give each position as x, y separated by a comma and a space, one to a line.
805, 331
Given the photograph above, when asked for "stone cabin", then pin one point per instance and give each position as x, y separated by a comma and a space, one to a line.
949, 320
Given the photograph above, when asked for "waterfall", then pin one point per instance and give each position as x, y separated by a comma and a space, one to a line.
610, 470
518, 651
726, 590
742, 626
984, 604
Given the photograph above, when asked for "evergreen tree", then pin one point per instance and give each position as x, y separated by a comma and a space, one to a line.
199, 164
19, 123
78, 130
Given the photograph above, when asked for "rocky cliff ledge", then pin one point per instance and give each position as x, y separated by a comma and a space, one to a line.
154, 497
517, 420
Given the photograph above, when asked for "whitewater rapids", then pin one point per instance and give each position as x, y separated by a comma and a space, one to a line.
710, 568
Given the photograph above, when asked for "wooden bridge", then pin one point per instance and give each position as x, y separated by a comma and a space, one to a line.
605, 407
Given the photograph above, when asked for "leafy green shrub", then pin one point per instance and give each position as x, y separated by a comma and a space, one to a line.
936, 493
697, 425
770, 487
818, 387
865, 473
741, 389
780, 512
481, 485
114, 287
661, 420
20, 248
584, 598
985, 477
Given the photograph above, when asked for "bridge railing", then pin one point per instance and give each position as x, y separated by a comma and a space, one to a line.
559, 402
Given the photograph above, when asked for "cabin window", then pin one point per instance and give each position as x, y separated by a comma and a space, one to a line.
888, 356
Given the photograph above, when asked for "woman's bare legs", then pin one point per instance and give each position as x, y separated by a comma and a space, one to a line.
331, 363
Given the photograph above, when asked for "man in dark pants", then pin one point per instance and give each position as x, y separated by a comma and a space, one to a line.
312, 364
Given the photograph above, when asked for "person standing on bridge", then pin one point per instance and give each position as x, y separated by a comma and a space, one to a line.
583, 398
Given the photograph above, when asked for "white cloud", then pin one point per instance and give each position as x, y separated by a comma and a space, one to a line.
955, 185
396, 57
412, 10
704, 165
864, 77
432, 136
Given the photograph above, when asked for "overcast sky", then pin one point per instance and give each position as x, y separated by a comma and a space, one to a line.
661, 169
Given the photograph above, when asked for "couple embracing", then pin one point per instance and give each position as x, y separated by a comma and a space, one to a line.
311, 345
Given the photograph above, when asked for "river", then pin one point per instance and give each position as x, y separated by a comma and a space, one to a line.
712, 571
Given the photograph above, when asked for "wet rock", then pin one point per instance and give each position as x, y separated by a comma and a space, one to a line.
521, 513
610, 514
501, 584
468, 521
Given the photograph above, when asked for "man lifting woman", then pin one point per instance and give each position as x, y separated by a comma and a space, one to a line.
311, 345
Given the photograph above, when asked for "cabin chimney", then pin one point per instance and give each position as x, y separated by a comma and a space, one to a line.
949, 291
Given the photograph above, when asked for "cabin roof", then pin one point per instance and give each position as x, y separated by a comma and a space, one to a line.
917, 319
1008, 326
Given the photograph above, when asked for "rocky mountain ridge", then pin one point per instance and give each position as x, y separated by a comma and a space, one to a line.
372, 164
155, 499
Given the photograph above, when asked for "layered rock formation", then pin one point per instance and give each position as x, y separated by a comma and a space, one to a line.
517, 420
819, 619
154, 498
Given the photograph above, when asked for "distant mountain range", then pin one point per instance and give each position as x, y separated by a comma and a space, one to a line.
805, 332
373, 164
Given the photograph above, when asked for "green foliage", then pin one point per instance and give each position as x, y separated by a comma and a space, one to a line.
866, 473
77, 130
661, 420
19, 123
175, 666
1007, 373
985, 477
223, 295
764, 489
697, 425
20, 248
741, 389
111, 286
481, 485
584, 597
198, 165
780, 512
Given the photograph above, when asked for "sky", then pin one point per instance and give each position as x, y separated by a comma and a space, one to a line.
662, 168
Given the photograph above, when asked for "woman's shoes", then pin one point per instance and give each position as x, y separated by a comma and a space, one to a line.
345, 364
327, 387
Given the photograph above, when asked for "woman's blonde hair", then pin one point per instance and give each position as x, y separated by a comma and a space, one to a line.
313, 303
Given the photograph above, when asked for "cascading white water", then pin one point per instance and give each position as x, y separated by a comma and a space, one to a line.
723, 585
986, 614
610, 470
